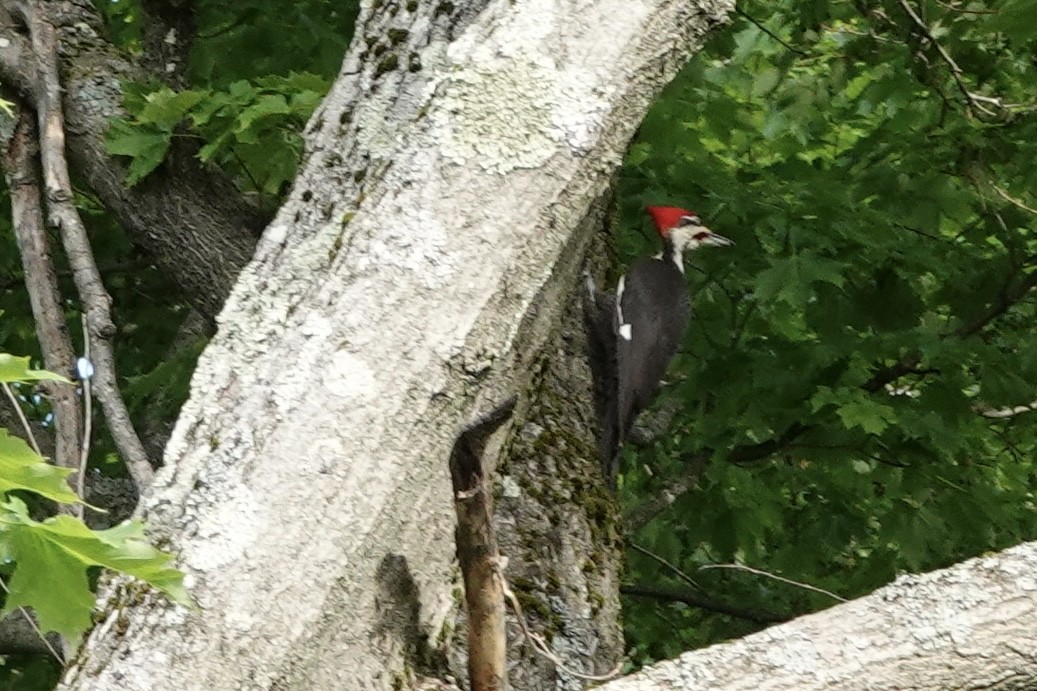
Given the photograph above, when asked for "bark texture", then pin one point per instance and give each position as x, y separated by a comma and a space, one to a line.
415, 276
967, 627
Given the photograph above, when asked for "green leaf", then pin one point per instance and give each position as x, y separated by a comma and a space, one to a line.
264, 107
51, 561
14, 369
165, 108
145, 145
871, 416
21, 468
1017, 19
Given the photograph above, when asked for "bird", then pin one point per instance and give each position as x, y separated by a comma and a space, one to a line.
635, 331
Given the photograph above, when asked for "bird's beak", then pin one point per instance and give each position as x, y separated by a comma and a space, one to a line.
717, 240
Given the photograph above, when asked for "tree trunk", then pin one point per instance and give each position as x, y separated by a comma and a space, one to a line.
967, 627
421, 271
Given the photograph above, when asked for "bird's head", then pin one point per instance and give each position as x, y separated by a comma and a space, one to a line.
683, 229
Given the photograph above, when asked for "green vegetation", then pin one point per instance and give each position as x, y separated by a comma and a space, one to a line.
45, 563
879, 301
849, 351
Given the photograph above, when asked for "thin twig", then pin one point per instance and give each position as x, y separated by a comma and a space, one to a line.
63, 214
956, 72
35, 626
88, 417
21, 417
758, 572
770, 33
672, 567
962, 10
1012, 200
540, 646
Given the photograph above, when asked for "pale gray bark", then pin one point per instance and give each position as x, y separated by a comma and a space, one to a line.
967, 627
417, 275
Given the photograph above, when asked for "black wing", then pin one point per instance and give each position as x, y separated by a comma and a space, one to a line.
653, 315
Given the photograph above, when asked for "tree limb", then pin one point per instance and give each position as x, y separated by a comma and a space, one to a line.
63, 214
694, 599
199, 228
968, 626
23, 180
478, 554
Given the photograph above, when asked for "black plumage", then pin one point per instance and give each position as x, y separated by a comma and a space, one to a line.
635, 332
655, 312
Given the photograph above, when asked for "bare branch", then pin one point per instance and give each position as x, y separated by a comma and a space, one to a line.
759, 572
1011, 411
88, 419
21, 417
770, 33
706, 604
672, 567
1012, 200
65, 217
478, 554
23, 180
540, 646
32, 625
1007, 297
972, 100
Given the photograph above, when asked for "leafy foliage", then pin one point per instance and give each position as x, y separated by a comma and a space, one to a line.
879, 301
259, 68
251, 129
53, 557
47, 562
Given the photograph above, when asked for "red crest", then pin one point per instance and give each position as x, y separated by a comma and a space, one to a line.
667, 217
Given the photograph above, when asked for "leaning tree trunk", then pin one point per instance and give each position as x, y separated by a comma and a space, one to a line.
420, 272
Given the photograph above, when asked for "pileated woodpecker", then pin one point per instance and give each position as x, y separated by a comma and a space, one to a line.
635, 333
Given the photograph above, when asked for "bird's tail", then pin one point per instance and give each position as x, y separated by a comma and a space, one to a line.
599, 309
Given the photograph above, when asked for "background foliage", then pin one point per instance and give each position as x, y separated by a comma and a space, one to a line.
884, 222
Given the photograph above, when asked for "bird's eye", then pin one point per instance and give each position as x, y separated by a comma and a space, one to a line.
690, 221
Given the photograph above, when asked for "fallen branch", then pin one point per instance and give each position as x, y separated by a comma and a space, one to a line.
63, 214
